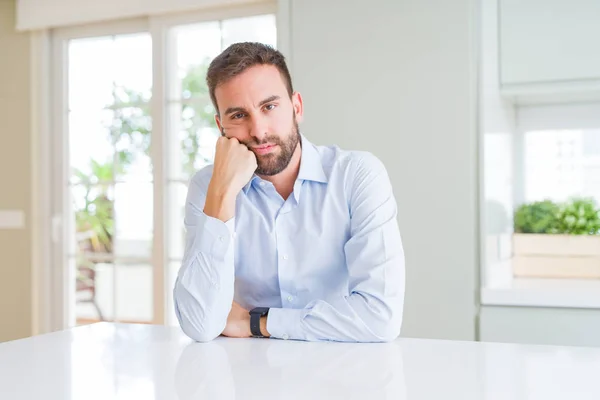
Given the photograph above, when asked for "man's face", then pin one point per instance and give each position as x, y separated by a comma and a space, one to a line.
256, 109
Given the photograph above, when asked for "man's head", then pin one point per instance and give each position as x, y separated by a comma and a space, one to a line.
251, 89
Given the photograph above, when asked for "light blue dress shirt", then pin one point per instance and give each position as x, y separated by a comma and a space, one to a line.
328, 261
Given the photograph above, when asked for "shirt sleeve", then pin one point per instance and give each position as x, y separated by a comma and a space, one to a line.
373, 309
204, 287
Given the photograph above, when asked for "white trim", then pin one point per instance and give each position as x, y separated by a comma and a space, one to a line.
552, 92
122, 27
60, 154
216, 14
518, 163
40, 183
564, 116
559, 293
160, 46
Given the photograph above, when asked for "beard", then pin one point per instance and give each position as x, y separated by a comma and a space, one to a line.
273, 163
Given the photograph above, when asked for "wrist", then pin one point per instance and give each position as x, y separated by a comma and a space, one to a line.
219, 204
263, 326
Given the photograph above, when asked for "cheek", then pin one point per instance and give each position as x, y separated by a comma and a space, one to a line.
282, 123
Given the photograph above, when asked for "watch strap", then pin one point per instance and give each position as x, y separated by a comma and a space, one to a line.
255, 316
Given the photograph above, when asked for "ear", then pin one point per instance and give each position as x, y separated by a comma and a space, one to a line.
298, 107
218, 122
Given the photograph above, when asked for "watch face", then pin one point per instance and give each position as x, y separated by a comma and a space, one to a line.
260, 311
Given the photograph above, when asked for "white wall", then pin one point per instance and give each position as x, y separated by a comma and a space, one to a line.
398, 78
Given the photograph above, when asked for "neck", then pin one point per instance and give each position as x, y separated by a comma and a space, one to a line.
284, 181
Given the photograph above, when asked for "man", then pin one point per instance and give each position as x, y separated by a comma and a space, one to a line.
285, 239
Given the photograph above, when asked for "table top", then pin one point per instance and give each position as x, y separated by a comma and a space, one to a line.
128, 361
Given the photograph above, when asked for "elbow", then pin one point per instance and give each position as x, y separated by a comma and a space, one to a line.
200, 328
387, 325
389, 332
201, 336
201, 333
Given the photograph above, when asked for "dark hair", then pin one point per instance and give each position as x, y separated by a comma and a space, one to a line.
239, 57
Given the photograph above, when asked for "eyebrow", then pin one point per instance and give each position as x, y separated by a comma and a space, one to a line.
269, 99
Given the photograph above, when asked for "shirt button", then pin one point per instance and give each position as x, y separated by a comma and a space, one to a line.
290, 299
221, 238
262, 184
285, 257
285, 336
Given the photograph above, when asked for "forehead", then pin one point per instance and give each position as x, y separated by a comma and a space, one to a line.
253, 85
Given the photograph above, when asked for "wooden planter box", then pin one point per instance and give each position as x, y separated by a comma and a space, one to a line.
556, 256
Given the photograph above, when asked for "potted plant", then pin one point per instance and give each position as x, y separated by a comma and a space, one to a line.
557, 240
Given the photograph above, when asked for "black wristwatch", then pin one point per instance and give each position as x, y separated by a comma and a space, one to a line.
255, 315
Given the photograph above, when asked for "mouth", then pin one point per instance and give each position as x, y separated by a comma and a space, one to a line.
264, 149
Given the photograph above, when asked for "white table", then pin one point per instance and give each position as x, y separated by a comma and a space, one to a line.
106, 361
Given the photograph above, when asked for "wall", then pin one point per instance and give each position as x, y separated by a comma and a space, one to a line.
398, 78
536, 325
15, 168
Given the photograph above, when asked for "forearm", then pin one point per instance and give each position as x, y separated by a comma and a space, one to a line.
220, 202
358, 317
203, 292
202, 309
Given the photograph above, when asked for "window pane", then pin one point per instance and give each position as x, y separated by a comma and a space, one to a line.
99, 65
93, 208
176, 238
134, 292
93, 293
91, 151
172, 277
261, 28
196, 45
132, 57
561, 164
197, 137
109, 90
133, 219
131, 132
91, 73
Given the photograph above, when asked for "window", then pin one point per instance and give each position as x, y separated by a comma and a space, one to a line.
119, 254
548, 152
560, 164
111, 185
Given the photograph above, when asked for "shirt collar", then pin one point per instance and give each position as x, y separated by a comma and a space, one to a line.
311, 168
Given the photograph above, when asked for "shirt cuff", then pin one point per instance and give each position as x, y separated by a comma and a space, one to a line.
286, 323
214, 236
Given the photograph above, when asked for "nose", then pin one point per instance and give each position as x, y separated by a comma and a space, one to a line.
258, 129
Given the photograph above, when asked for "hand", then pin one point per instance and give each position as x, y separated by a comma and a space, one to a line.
233, 168
238, 322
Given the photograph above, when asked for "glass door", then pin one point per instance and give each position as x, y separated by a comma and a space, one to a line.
132, 122
108, 198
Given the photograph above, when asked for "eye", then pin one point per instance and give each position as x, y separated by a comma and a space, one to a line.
237, 116
270, 107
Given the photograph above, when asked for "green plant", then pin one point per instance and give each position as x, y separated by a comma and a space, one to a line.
578, 216
129, 131
536, 217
